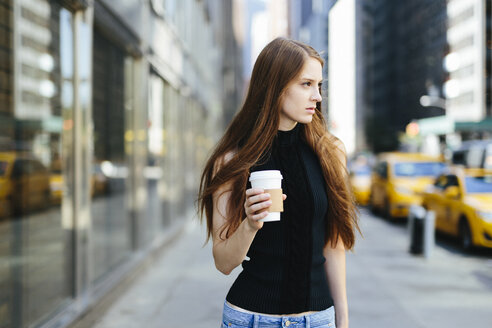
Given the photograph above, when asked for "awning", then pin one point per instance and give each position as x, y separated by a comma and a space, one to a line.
441, 125
438, 125
484, 125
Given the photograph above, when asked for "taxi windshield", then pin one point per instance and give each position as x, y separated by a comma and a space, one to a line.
479, 184
3, 168
362, 170
418, 169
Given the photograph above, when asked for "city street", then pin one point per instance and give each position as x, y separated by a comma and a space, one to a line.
387, 286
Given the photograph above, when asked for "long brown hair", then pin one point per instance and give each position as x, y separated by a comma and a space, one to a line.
252, 132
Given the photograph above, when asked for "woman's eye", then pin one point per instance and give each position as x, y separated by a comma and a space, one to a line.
307, 83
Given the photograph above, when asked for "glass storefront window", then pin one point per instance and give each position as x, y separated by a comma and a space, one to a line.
110, 219
88, 171
173, 161
153, 172
36, 107
165, 190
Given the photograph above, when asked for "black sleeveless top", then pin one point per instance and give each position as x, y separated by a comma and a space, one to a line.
285, 272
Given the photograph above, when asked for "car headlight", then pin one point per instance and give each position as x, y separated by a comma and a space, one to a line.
56, 185
486, 216
403, 190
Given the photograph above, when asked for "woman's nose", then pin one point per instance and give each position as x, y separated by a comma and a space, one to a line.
316, 96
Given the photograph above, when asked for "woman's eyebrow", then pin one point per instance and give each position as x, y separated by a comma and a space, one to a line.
310, 79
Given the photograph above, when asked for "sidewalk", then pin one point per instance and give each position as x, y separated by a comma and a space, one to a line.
387, 287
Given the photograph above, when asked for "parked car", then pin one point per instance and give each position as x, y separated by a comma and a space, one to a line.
56, 182
360, 179
398, 180
360, 166
462, 201
99, 181
24, 184
4, 188
56, 187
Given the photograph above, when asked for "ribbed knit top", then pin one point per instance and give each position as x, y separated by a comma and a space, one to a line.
285, 271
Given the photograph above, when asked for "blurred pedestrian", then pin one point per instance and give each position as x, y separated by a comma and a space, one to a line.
293, 269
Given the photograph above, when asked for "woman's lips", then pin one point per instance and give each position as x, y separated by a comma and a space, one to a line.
311, 109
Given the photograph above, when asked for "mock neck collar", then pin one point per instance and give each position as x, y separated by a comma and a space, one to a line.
290, 136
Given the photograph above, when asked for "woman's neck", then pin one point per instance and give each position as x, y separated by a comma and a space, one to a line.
287, 127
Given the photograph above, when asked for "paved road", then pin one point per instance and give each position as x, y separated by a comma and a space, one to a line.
387, 286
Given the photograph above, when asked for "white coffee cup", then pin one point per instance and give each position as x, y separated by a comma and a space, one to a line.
271, 182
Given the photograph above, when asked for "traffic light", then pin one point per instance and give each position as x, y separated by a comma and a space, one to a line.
412, 129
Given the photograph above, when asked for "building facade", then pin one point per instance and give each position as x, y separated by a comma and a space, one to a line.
259, 22
308, 22
467, 91
233, 84
349, 54
107, 112
408, 47
468, 62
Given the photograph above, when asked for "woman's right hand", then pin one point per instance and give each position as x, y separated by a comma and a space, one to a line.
255, 205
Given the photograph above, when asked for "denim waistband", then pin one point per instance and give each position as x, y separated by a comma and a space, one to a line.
235, 317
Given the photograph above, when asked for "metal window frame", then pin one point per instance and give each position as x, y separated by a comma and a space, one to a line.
75, 5
112, 27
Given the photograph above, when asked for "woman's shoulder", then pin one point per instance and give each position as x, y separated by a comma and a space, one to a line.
223, 160
340, 150
228, 156
340, 146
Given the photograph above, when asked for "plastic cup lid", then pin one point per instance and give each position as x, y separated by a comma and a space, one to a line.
267, 174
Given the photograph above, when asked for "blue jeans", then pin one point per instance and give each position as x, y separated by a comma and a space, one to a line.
233, 318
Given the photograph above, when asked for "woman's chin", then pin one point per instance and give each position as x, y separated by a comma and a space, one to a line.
307, 119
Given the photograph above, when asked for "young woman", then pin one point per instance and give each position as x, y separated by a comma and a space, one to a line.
293, 269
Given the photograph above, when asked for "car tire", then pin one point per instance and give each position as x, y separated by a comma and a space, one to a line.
371, 205
465, 235
16, 209
47, 200
387, 211
7, 210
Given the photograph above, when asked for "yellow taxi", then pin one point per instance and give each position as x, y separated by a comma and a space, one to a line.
360, 180
24, 184
99, 181
56, 187
4, 186
462, 201
399, 179
56, 182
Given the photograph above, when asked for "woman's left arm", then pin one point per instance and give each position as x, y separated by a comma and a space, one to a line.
335, 263
336, 273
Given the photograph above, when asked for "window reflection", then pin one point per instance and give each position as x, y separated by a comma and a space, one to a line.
153, 172
111, 233
35, 247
